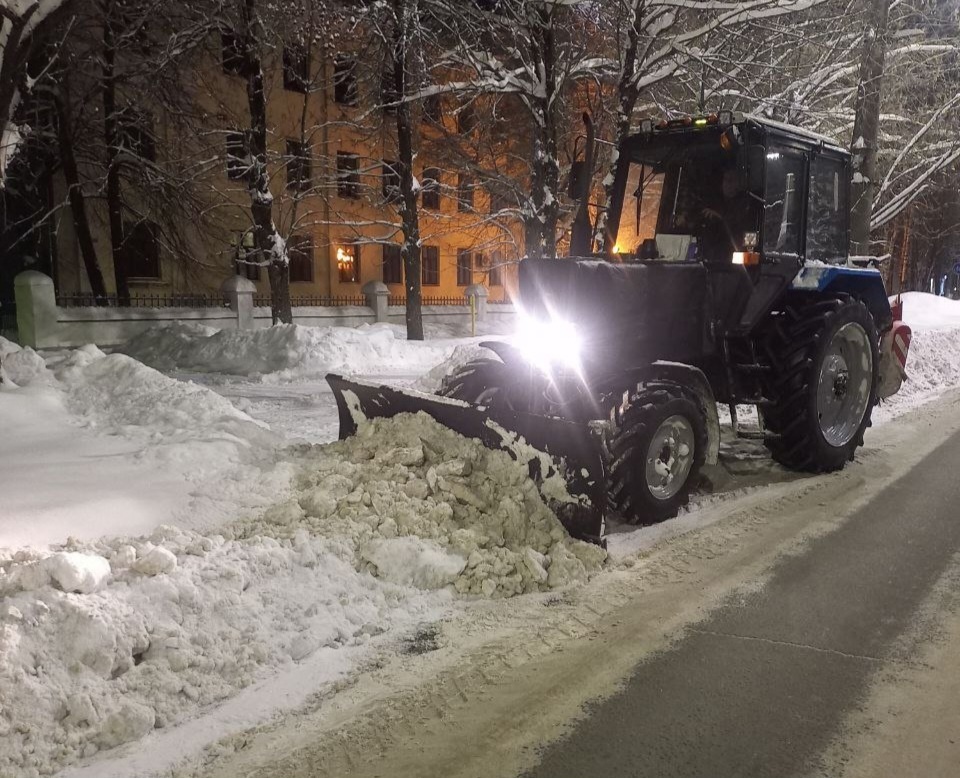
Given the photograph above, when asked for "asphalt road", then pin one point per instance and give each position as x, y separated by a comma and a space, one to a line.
762, 686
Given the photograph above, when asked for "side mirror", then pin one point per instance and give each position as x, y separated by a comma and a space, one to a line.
754, 160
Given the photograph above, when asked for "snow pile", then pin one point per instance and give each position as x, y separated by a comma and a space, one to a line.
479, 521
933, 361
166, 625
96, 444
285, 351
925, 312
102, 642
176, 421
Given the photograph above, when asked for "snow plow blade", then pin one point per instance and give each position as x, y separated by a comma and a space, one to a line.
552, 448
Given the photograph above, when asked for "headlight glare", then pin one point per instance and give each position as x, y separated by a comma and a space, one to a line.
548, 344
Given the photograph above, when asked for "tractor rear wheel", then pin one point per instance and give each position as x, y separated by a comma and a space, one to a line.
656, 452
495, 384
823, 383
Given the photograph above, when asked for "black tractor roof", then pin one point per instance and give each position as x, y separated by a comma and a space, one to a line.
749, 124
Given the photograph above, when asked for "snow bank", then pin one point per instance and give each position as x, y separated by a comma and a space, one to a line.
286, 351
924, 311
933, 362
120, 448
101, 642
81, 673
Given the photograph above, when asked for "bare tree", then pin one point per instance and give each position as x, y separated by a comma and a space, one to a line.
23, 26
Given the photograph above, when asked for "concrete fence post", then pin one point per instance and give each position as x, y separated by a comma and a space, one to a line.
378, 297
36, 309
238, 293
479, 294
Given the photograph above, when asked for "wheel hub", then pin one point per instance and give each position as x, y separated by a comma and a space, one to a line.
670, 457
844, 385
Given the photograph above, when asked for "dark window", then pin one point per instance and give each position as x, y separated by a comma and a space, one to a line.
433, 109
345, 80
464, 193
136, 136
827, 210
236, 155
300, 254
246, 257
141, 250
430, 262
296, 68
348, 263
431, 188
298, 166
464, 267
348, 175
231, 52
389, 96
392, 264
784, 202
391, 182
498, 202
495, 273
466, 119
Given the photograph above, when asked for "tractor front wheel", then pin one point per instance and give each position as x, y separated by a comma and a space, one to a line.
656, 452
495, 384
823, 385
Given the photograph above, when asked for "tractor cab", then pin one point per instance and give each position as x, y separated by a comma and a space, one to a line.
730, 189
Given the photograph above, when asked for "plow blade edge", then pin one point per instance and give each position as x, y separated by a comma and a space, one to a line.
551, 448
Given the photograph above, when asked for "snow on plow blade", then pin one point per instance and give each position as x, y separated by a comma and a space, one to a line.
552, 448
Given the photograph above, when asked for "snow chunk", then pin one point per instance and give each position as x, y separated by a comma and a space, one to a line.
156, 561
130, 723
412, 561
76, 572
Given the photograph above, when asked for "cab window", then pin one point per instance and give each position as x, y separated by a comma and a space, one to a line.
783, 206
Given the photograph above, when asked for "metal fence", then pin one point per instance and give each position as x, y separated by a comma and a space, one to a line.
400, 300
141, 301
313, 301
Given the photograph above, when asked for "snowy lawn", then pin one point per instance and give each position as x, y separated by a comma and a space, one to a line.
186, 560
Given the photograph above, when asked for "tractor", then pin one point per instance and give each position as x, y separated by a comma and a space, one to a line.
725, 279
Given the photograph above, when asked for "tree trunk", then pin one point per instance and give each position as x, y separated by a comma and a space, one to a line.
270, 246
111, 136
405, 12
627, 96
540, 225
866, 126
81, 222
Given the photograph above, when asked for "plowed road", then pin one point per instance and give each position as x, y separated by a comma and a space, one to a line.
810, 629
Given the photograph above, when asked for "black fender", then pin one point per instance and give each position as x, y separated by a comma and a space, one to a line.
509, 354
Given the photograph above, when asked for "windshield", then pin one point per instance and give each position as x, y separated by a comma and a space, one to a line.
694, 189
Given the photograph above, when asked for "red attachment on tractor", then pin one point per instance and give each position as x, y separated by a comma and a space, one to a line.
901, 342
897, 309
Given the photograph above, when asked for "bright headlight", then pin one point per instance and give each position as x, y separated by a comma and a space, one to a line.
550, 343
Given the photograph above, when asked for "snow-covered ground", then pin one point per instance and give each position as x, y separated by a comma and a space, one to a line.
193, 548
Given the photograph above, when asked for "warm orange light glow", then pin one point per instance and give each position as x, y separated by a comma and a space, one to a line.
617, 249
747, 258
345, 257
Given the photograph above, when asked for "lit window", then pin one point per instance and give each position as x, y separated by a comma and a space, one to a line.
348, 263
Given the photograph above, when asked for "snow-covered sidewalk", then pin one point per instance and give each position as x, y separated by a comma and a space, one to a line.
190, 554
